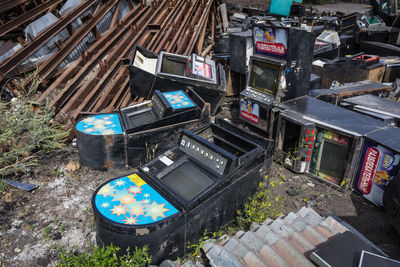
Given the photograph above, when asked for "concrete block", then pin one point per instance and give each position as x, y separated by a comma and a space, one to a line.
189, 263
272, 258
313, 236
220, 257
299, 223
168, 263
300, 242
252, 260
262, 231
254, 226
336, 225
291, 255
239, 234
235, 247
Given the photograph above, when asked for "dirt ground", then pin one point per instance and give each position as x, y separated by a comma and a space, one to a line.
58, 213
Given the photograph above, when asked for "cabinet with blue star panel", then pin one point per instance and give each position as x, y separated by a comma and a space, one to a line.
120, 139
196, 185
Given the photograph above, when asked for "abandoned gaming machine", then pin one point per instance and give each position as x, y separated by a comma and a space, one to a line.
198, 184
279, 70
115, 140
150, 71
322, 139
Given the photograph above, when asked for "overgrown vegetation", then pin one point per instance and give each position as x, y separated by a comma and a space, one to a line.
26, 130
263, 205
108, 256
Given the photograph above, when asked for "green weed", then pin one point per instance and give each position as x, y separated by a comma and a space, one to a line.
263, 205
108, 256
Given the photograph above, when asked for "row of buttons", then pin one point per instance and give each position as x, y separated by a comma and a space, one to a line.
258, 94
206, 154
310, 140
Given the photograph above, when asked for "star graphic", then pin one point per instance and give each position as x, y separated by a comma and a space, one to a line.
136, 209
99, 122
146, 201
118, 194
118, 210
120, 182
105, 205
127, 199
156, 210
108, 132
146, 195
89, 120
135, 190
107, 190
89, 130
130, 220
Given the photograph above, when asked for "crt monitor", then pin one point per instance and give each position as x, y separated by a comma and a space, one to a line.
187, 181
264, 76
330, 156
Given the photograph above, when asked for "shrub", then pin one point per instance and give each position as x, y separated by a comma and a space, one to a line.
108, 256
24, 131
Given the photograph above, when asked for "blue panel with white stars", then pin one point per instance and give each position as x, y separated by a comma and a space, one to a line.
104, 124
130, 200
178, 99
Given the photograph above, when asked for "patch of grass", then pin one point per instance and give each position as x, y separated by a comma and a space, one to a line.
46, 231
99, 256
195, 247
26, 129
263, 205
62, 227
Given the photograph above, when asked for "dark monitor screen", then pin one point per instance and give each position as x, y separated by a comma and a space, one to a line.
264, 77
187, 180
173, 65
332, 158
292, 135
142, 118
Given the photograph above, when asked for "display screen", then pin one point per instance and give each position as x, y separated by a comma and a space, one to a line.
264, 77
292, 135
332, 158
187, 180
142, 118
173, 65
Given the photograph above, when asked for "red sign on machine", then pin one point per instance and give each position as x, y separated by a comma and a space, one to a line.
368, 170
268, 47
251, 117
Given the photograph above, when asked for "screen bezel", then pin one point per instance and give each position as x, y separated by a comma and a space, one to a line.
264, 63
186, 204
320, 152
180, 196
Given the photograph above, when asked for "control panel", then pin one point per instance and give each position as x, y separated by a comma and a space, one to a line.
257, 95
203, 154
159, 107
308, 140
199, 67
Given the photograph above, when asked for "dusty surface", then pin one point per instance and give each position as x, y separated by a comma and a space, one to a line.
56, 214
33, 225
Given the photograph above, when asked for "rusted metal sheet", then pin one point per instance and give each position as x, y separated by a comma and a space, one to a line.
7, 5
96, 53
17, 58
50, 65
98, 81
27, 16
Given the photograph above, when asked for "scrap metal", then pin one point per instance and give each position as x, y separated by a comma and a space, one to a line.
18, 57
